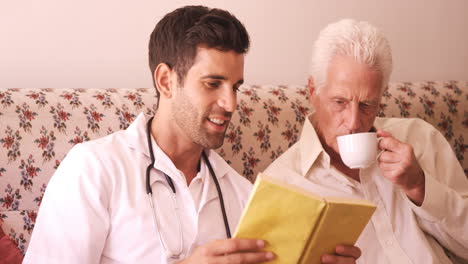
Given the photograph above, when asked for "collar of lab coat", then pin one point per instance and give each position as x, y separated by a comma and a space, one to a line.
137, 140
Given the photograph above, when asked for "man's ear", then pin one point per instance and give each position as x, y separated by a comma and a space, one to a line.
163, 78
384, 90
311, 86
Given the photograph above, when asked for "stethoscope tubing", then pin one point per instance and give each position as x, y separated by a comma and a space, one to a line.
149, 190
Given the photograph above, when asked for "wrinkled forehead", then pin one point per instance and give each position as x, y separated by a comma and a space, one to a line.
349, 78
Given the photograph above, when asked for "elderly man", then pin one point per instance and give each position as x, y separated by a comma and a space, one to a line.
419, 187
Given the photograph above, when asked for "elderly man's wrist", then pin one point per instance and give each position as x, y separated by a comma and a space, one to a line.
417, 193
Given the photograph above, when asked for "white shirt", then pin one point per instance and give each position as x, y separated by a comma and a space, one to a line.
399, 232
96, 209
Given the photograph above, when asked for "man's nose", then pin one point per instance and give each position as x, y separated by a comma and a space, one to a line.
228, 100
353, 120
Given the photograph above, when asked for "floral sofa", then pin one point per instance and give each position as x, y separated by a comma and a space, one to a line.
39, 126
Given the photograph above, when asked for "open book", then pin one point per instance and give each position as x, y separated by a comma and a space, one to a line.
299, 226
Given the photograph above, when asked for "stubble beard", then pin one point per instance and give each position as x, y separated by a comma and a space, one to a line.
191, 122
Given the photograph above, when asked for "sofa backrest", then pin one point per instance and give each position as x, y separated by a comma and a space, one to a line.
39, 126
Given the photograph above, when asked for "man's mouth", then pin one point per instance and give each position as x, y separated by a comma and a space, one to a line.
218, 121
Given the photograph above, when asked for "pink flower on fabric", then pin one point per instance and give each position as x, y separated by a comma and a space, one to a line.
96, 116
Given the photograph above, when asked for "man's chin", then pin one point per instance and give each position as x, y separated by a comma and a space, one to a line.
213, 142
332, 146
213, 146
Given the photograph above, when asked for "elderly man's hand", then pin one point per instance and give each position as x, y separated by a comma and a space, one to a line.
398, 164
343, 255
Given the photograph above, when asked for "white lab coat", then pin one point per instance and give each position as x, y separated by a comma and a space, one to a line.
96, 210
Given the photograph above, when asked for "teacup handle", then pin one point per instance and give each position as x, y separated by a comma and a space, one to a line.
382, 151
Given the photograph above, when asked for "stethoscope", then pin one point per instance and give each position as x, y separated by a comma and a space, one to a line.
149, 192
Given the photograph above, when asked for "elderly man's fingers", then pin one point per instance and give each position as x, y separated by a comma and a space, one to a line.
348, 251
391, 144
344, 255
383, 133
389, 157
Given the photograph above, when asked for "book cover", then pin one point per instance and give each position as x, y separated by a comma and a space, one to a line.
299, 226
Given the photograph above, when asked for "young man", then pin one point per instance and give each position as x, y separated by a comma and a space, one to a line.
156, 192
418, 185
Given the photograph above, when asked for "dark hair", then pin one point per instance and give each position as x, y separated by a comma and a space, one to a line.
177, 36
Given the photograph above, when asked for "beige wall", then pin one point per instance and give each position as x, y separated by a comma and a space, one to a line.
103, 43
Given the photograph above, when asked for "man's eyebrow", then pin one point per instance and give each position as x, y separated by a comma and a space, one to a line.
220, 77
339, 97
214, 76
370, 101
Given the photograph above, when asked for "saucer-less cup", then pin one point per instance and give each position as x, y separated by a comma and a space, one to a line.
358, 150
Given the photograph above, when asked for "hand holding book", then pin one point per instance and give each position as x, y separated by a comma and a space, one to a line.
233, 250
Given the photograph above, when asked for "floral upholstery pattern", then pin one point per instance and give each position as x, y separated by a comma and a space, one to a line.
39, 126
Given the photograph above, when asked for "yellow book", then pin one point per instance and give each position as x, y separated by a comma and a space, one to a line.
300, 226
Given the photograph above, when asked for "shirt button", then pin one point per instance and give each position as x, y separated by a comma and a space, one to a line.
389, 243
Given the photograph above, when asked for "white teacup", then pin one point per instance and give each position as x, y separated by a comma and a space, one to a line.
358, 150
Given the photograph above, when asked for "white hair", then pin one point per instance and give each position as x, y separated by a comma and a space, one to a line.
356, 39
